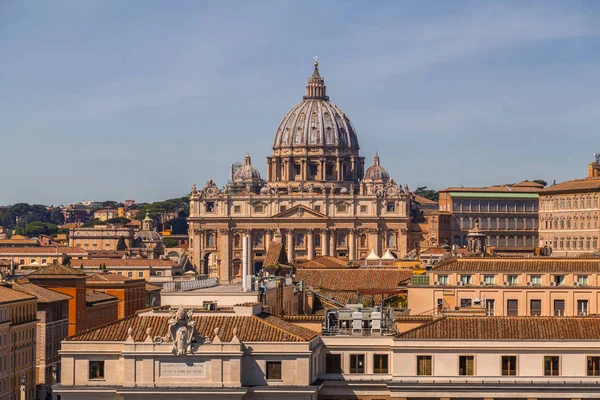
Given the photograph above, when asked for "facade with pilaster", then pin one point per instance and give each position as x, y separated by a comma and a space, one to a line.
317, 196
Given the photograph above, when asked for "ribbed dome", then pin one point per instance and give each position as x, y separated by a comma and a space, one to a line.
376, 172
316, 122
247, 172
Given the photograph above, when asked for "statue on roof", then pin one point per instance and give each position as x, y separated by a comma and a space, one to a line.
182, 330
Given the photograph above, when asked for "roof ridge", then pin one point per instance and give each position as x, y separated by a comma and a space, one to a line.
426, 324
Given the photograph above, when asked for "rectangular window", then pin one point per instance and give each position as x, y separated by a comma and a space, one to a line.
424, 365
236, 209
391, 206
593, 366
536, 279
259, 208
512, 308
210, 206
466, 365
140, 274
509, 365
535, 307
380, 363
512, 279
317, 208
357, 363
273, 370
130, 274
559, 280
465, 279
582, 308
282, 208
466, 303
582, 279
96, 370
363, 209
489, 279
559, 308
551, 365
443, 279
333, 363
342, 208
490, 305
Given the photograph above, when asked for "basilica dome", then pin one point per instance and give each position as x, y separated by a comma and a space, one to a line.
247, 172
316, 122
376, 173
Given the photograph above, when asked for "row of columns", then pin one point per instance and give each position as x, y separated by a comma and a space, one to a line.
283, 169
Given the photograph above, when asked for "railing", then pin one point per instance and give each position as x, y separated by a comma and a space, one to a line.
420, 280
189, 285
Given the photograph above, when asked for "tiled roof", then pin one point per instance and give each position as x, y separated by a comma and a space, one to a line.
70, 250
324, 262
108, 277
592, 183
8, 295
354, 279
275, 255
18, 242
507, 328
300, 318
56, 271
43, 295
343, 297
521, 187
107, 253
423, 200
152, 288
123, 262
534, 264
251, 328
93, 297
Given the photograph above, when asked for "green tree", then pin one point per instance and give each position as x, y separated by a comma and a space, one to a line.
118, 221
168, 242
430, 194
93, 222
541, 182
38, 228
121, 245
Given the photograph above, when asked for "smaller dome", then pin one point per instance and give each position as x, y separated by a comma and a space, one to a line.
148, 236
247, 172
376, 172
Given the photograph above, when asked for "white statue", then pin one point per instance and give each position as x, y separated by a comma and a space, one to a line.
183, 331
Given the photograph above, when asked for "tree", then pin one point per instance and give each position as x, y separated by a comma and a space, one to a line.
541, 182
38, 228
168, 242
93, 222
118, 221
121, 246
430, 194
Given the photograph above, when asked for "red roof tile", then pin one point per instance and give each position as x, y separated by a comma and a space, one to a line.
69, 250
353, 279
534, 264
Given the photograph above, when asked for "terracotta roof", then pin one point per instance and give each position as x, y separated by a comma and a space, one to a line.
275, 255
423, 200
507, 328
300, 318
534, 264
251, 328
434, 250
43, 295
108, 277
521, 187
8, 295
152, 288
56, 271
353, 279
19, 242
343, 297
586, 184
93, 297
123, 262
43, 250
324, 262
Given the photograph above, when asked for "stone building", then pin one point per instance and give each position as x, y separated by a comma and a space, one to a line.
17, 344
507, 214
317, 194
52, 327
569, 214
101, 237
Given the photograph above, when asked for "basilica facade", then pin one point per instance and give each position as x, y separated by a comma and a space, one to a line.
317, 198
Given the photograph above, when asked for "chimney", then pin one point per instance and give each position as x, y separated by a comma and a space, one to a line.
593, 169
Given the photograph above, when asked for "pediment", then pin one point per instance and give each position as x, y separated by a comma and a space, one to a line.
300, 211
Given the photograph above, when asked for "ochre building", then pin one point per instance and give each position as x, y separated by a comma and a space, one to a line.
317, 195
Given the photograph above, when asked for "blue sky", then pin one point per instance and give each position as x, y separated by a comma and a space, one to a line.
140, 99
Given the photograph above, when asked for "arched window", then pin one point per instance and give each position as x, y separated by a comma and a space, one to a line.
317, 239
483, 222
258, 239
520, 241
511, 241
493, 223
300, 242
363, 240
391, 239
520, 224
456, 240
568, 224
493, 241
501, 223
237, 240
210, 239
529, 241
341, 239
502, 241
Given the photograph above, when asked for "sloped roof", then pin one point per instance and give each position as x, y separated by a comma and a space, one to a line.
586, 184
93, 297
57, 271
108, 277
507, 328
43, 250
275, 255
343, 297
43, 295
521, 187
354, 279
124, 262
324, 262
251, 328
8, 295
503, 264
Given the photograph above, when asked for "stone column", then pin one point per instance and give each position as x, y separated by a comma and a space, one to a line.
289, 245
225, 255
325, 242
250, 252
304, 170
374, 241
310, 243
332, 238
198, 261
268, 239
351, 244
338, 167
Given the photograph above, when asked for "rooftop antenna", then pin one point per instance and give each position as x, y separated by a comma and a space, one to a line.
462, 185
